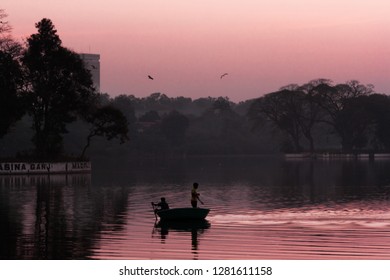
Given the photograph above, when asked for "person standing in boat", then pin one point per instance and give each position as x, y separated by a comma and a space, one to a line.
195, 196
162, 204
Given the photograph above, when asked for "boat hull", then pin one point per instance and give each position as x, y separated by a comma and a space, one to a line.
183, 225
183, 214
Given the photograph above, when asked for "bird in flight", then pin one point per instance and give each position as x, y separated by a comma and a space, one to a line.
150, 77
223, 75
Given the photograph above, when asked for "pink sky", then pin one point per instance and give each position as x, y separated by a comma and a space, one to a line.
187, 44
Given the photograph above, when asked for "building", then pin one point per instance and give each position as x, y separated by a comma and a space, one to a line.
92, 62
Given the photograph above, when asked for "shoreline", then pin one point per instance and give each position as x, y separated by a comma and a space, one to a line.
38, 167
337, 156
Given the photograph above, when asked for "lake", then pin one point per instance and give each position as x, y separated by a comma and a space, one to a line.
261, 208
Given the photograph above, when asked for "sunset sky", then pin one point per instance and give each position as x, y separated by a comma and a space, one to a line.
186, 45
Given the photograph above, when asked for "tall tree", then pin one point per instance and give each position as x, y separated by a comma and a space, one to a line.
311, 113
5, 28
59, 87
11, 78
11, 108
341, 104
283, 109
378, 106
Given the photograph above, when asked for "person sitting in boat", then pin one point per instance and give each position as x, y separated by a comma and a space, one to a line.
162, 204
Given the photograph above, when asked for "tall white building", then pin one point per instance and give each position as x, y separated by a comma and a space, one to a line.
92, 62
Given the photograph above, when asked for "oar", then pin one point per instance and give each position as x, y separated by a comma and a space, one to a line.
155, 214
200, 200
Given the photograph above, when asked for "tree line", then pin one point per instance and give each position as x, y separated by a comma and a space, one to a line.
50, 84
352, 112
47, 96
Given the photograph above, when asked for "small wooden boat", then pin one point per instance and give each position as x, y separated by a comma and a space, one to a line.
183, 213
183, 225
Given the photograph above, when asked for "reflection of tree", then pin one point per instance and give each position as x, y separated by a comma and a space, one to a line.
302, 182
10, 229
62, 221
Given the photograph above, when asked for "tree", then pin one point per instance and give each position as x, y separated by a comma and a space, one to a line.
7, 44
150, 116
311, 113
222, 105
354, 122
341, 114
283, 109
378, 106
219, 130
108, 122
11, 78
204, 103
124, 104
59, 88
10, 82
174, 127
5, 29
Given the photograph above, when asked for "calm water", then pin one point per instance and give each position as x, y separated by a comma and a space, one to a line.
261, 208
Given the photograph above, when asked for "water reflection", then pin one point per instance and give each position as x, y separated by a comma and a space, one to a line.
195, 227
56, 216
107, 215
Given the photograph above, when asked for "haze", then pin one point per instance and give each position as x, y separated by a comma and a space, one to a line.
187, 45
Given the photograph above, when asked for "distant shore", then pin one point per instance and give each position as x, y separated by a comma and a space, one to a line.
38, 167
330, 156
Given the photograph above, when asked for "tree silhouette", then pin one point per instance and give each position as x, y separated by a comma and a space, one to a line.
108, 122
59, 87
342, 111
283, 108
10, 81
174, 127
378, 107
5, 27
11, 78
125, 104
296, 110
311, 113
150, 116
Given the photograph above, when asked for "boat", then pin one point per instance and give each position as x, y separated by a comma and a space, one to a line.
183, 225
183, 213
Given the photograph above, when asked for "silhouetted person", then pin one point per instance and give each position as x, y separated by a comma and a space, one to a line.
195, 195
162, 204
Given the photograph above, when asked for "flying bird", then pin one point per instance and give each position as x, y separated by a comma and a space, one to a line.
150, 77
223, 75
